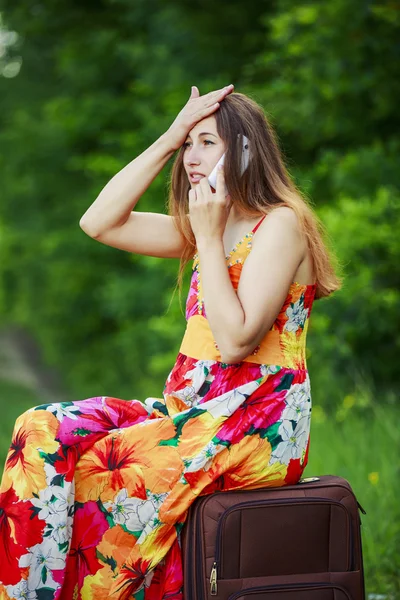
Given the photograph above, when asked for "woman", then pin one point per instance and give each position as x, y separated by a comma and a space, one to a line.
95, 492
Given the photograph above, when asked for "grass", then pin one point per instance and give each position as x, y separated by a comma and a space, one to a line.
360, 441
363, 446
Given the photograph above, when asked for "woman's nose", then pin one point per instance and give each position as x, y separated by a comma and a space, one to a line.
192, 156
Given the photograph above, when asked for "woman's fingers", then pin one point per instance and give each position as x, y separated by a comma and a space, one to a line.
213, 96
196, 108
210, 102
202, 112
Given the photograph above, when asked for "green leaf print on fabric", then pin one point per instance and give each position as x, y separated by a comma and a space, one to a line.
179, 526
161, 408
140, 594
81, 432
58, 480
63, 547
204, 389
108, 515
286, 382
108, 560
271, 433
219, 442
179, 421
135, 534
45, 594
35, 510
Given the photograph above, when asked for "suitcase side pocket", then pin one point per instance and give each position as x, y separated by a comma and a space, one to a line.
317, 524
295, 591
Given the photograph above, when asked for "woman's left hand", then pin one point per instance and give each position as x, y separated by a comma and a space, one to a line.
208, 212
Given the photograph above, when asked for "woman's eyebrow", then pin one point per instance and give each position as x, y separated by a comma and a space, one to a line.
204, 133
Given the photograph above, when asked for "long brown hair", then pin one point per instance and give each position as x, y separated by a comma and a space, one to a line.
265, 185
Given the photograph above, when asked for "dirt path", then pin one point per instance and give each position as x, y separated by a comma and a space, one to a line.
21, 362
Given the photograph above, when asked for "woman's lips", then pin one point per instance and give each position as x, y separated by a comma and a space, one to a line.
196, 177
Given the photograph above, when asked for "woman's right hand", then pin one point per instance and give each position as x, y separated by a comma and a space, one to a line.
197, 108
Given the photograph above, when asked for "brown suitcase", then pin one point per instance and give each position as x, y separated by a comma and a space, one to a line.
296, 542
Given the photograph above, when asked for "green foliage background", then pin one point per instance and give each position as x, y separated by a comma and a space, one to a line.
98, 82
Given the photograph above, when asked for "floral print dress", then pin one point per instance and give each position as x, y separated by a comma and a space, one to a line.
95, 492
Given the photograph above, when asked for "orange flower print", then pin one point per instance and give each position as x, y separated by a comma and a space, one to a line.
34, 431
246, 465
116, 546
124, 459
97, 587
112, 464
131, 578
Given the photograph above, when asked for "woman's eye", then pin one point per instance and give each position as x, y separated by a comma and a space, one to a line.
186, 144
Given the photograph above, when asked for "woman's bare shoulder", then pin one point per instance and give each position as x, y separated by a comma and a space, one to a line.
284, 214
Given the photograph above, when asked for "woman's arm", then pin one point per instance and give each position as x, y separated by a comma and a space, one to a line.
239, 320
111, 219
118, 198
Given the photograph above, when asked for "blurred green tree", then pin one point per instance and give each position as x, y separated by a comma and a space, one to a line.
100, 82
327, 76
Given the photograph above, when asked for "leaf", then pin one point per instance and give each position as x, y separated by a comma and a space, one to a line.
45, 593
271, 433
179, 422
161, 408
58, 480
63, 547
286, 382
35, 510
44, 574
108, 560
80, 431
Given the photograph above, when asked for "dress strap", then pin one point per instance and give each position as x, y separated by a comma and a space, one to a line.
258, 224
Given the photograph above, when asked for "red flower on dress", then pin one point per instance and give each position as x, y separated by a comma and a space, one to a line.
192, 300
167, 578
131, 578
19, 530
230, 378
296, 467
89, 526
262, 409
294, 472
116, 413
176, 379
98, 416
64, 462
309, 296
282, 318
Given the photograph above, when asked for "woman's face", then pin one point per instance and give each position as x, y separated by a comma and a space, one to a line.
202, 150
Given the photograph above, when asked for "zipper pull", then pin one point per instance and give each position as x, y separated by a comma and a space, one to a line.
213, 580
361, 508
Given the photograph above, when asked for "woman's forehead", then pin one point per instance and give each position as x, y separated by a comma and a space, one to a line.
207, 125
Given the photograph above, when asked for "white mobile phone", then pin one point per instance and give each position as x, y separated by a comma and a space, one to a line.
212, 178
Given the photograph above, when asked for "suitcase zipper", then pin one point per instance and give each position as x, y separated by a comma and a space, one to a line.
289, 586
361, 508
213, 580
312, 479
214, 573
